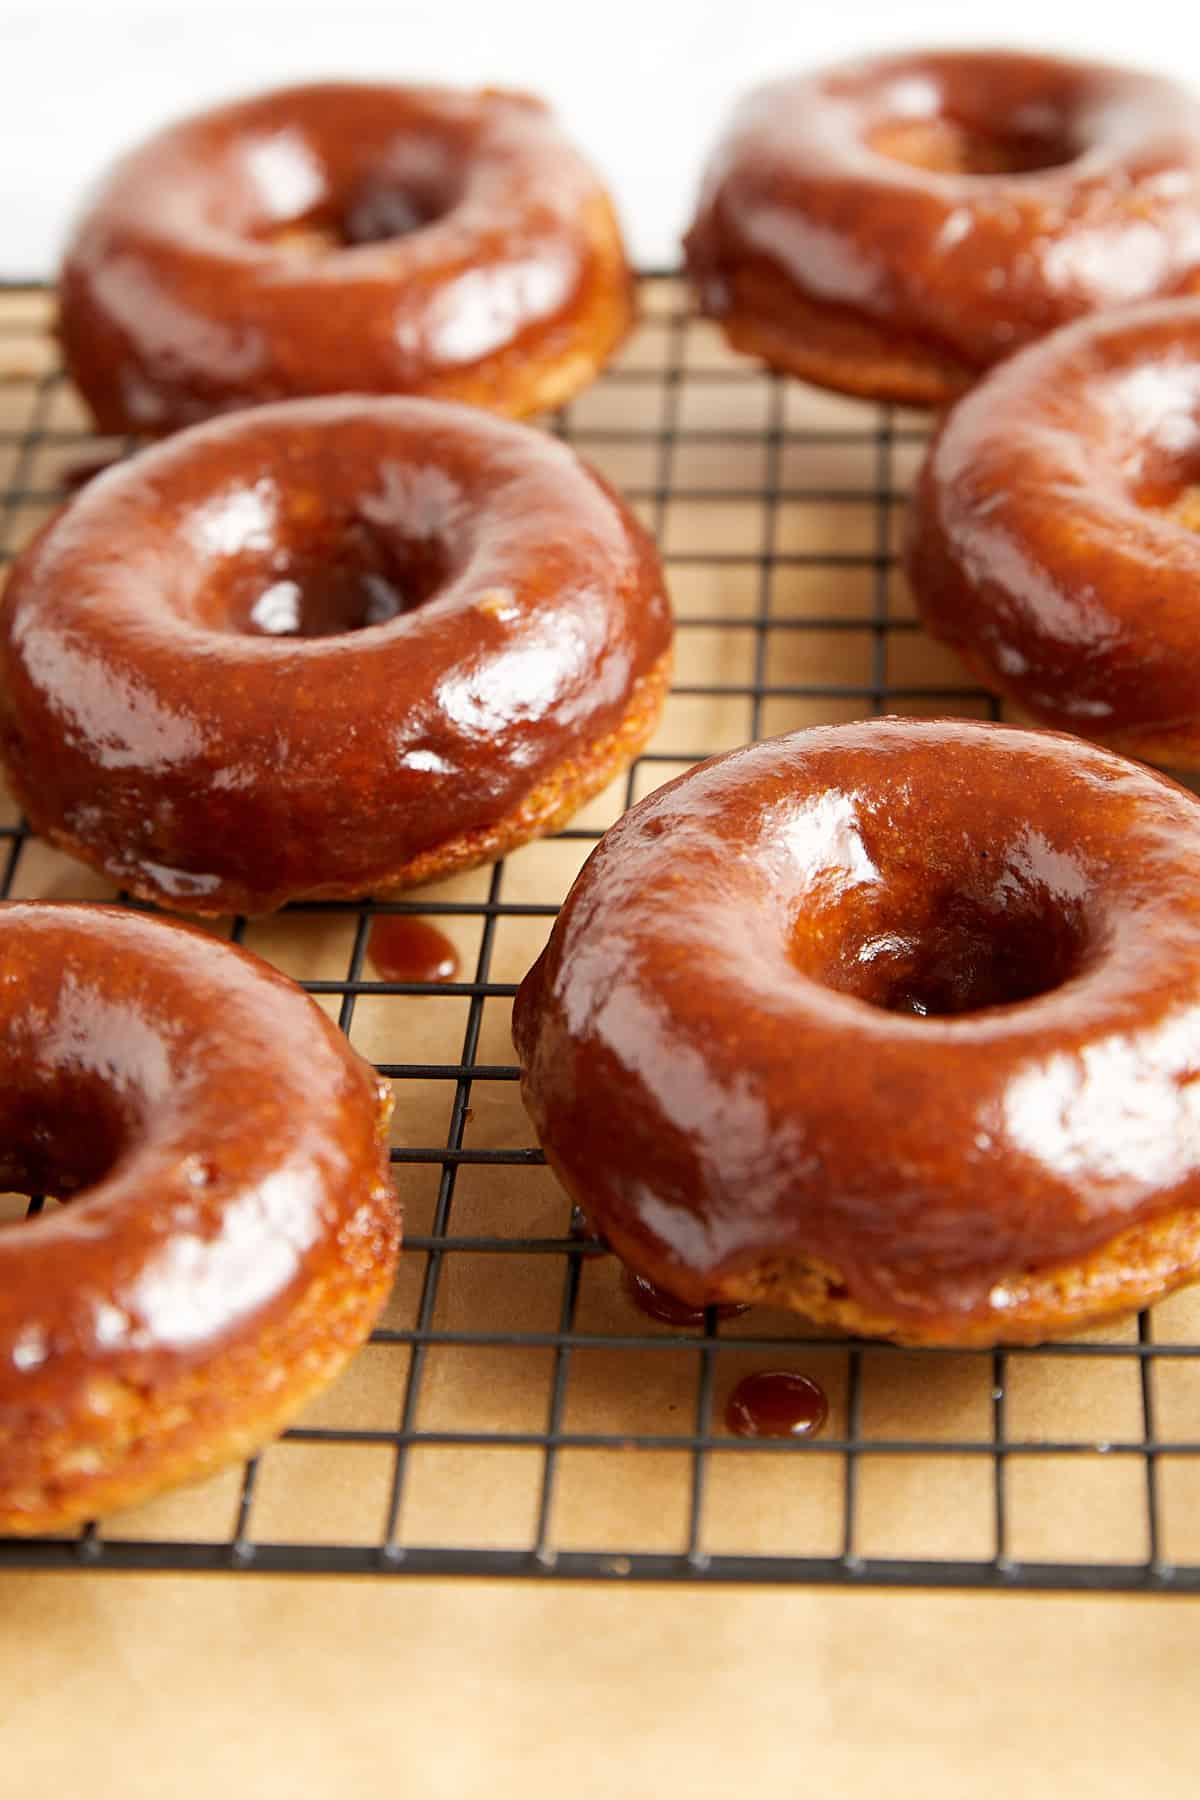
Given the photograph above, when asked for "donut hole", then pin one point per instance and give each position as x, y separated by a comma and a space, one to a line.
346, 582
948, 146
1179, 503
380, 210
374, 211
67, 1135
1169, 483
962, 953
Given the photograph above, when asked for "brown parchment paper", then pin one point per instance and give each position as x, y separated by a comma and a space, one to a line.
182, 1688
185, 1686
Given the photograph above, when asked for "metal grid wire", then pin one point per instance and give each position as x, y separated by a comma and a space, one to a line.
512, 1416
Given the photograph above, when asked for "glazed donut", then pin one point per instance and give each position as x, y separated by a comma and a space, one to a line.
1053, 539
896, 1024
344, 238
234, 1229
327, 647
892, 227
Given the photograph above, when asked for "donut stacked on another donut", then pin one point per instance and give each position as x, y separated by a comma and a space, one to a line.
234, 1229
894, 226
344, 238
897, 1024
1053, 538
326, 648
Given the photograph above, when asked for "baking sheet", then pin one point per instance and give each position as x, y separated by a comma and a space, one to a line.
503, 1408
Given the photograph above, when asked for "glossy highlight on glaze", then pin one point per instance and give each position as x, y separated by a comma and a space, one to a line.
723, 1060
896, 225
776, 1403
344, 237
406, 949
324, 648
1053, 536
232, 1228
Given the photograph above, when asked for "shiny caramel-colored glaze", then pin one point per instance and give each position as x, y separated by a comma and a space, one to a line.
232, 1228
343, 237
894, 226
658, 1304
326, 647
1052, 540
895, 1023
405, 949
776, 1403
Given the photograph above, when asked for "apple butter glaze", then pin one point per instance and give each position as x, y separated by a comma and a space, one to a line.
405, 949
658, 1304
1053, 539
895, 1023
894, 226
344, 238
776, 1403
233, 1228
327, 647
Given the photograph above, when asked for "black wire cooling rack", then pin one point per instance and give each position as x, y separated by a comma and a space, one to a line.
514, 1415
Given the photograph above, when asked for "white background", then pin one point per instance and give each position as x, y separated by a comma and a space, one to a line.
642, 84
